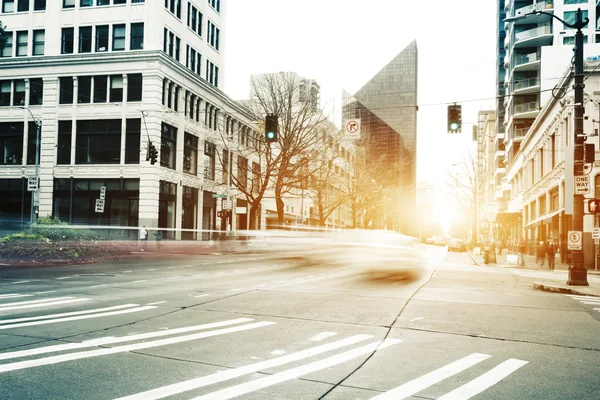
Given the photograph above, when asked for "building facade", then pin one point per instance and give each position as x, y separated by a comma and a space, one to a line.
104, 79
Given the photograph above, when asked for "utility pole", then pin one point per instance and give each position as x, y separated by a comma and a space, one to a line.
35, 193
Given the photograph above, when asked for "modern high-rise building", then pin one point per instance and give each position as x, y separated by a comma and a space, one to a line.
104, 79
387, 108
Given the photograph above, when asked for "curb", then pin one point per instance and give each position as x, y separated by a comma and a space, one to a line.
473, 258
552, 288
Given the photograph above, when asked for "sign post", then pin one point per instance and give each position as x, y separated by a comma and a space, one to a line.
582, 184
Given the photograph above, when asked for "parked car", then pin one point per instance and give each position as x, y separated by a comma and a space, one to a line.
430, 240
457, 245
439, 241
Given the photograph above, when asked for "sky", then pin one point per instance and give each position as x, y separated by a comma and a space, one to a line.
343, 43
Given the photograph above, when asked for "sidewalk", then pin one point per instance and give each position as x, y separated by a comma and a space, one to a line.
550, 281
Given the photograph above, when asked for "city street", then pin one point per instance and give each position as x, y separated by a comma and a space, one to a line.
345, 323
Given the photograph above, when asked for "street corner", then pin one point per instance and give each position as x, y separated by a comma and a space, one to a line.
556, 287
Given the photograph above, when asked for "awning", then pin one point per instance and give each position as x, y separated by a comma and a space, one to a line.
543, 219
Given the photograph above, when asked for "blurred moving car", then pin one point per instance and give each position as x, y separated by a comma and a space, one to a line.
440, 241
457, 245
430, 240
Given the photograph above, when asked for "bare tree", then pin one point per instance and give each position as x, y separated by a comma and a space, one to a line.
467, 185
3, 36
300, 122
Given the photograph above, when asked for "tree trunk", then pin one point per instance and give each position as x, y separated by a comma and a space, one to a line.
280, 210
252, 216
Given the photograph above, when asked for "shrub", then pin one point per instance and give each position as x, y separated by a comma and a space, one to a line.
47, 227
24, 237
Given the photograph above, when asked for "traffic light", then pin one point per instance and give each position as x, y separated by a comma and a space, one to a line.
454, 118
271, 128
152, 153
593, 206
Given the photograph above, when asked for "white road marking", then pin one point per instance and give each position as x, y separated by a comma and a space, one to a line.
578, 297
262, 285
202, 295
151, 269
596, 309
261, 383
430, 379
322, 336
226, 375
97, 286
190, 265
126, 272
53, 321
236, 290
51, 303
143, 280
68, 314
596, 303
13, 295
15, 283
155, 303
66, 277
46, 292
416, 319
112, 340
37, 301
280, 282
122, 349
278, 352
484, 381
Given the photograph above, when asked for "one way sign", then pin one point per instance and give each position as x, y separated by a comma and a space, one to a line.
582, 184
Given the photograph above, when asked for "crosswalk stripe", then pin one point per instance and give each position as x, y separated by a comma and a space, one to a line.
484, 381
112, 340
248, 387
430, 379
13, 295
122, 349
222, 376
51, 303
578, 297
594, 303
53, 321
50, 316
19, 303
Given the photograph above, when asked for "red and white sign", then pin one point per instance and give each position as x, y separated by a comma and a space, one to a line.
352, 128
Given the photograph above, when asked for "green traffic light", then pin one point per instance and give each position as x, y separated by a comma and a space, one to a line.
271, 135
454, 126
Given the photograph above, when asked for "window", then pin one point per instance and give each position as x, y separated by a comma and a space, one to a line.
5, 89
33, 145
100, 89
216, 4
19, 92
67, 40
66, 90
177, 48
63, 155
11, 143
7, 51
102, 38
194, 19
121, 2
39, 5
8, 6
116, 88
570, 40
22, 5
190, 154
36, 91
132, 140
242, 172
38, 42
209, 161
225, 164
85, 39
168, 144
256, 178
84, 89
212, 73
213, 34
68, 3
554, 199
118, 40
103, 2
86, 3
134, 87
137, 36
98, 141
553, 150
21, 43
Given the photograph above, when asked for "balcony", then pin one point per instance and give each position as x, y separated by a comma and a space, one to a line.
527, 62
519, 133
526, 110
529, 85
535, 37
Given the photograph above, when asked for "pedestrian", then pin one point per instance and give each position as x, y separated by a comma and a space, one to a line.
540, 253
158, 235
499, 246
144, 237
522, 249
551, 253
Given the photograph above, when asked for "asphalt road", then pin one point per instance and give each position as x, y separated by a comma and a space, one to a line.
345, 323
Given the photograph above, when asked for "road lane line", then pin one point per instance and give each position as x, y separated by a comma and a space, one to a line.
53, 321
47, 291
222, 376
430, 379
15, 283
50, 316
575, 296
125, 272
66, 277
13, 295
127, 348
112, 340
97, 286
51, 303
37, 301
261, 383
322, 336
416, 319
484, 381
595, 303
142, 281
202, 295
151, 269
155, 303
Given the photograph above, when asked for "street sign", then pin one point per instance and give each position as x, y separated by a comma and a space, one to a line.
99, 205
219, 196
227, 204
512, 259
575, 240
596, 233
32, 183
352, 128
102, 192
582, 184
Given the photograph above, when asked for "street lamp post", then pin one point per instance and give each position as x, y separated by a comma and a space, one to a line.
577, 270
34, 193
